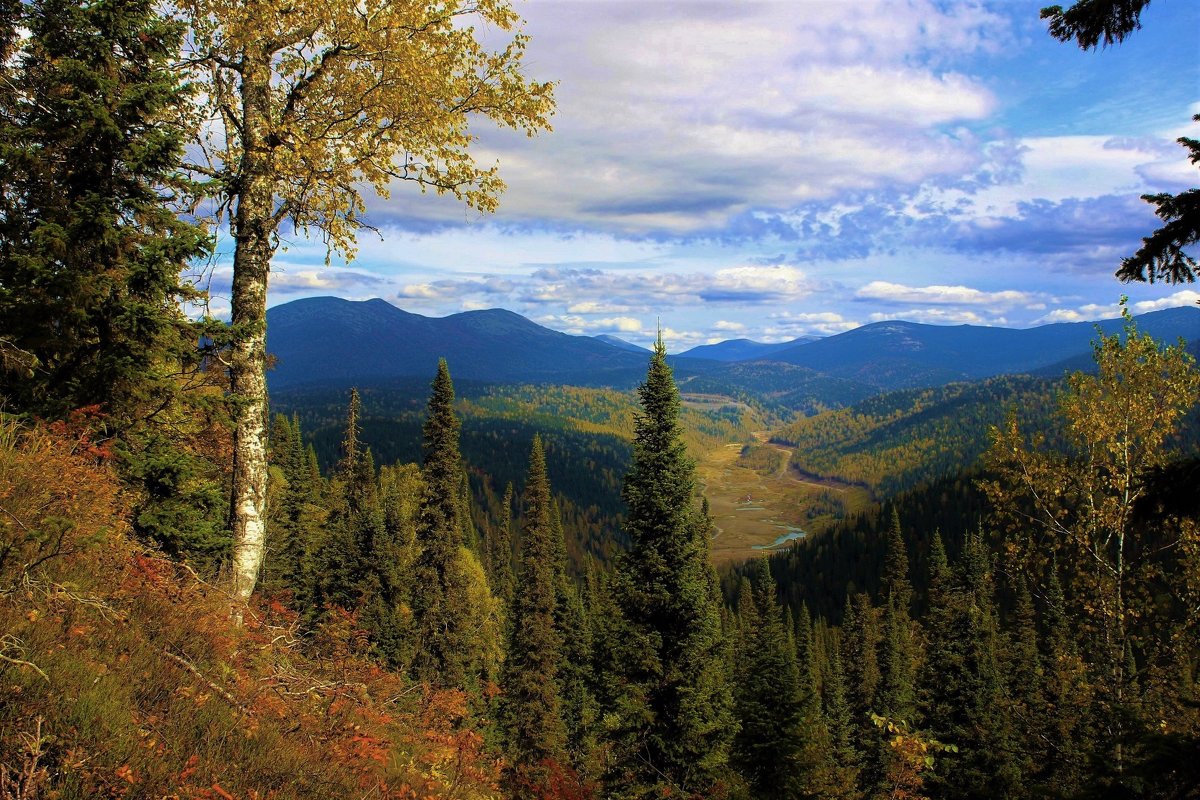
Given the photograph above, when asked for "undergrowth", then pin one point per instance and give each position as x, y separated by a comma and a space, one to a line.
122, 676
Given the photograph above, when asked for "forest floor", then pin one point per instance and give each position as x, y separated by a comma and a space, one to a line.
760, 505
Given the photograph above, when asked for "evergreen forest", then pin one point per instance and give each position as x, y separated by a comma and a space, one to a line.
424, 587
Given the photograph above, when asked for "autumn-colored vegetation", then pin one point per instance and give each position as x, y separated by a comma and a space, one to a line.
121, 675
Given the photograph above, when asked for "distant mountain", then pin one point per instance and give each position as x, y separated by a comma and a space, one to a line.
744, 349
779, 388
326, 340
621, 344
894, 355
330, 340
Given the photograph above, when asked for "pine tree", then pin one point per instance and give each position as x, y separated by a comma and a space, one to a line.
91, 138
860, 635
836, 707
499, 552
1069, 717
290, 537
968, 707
1021, 662
93, 122
532, 709
672, 696
898, 656
769, 697
580, 709
441, 657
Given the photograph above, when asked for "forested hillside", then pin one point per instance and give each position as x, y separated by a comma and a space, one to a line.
420, 587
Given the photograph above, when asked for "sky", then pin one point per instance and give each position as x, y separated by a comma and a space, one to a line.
770, 170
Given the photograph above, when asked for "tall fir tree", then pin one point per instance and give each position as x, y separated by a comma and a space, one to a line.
968, 705
860, 635
93, 124
441, 657
768, 698
580, 708
500, 552
898, 653
532, 710
91, 138
896, 697
838, 716
672, 696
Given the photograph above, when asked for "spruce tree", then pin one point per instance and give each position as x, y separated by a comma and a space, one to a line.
580, 709
968, 706
770, 698
860, 635
532, 710
94, 118
291, 534
500, 552
672, 697
441, 657
92, 133
836, 707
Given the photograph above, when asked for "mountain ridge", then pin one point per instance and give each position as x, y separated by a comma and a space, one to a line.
331, 340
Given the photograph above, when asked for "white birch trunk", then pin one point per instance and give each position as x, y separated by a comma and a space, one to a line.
253, 229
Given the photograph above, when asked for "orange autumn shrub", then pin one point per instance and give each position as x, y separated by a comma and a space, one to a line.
122, 676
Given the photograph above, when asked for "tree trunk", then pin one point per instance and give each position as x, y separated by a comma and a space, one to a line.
254, 235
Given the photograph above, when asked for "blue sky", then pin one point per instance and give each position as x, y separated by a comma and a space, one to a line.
767, 170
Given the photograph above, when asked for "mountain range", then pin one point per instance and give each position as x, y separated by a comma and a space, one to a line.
327, 340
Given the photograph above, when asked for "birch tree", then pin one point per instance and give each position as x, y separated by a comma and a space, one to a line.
1076, 513
312, 103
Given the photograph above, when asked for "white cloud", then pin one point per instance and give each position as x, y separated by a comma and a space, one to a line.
726, 325
947, 295
1083, 313
940, 316
1186, 297
786, 325
674, 117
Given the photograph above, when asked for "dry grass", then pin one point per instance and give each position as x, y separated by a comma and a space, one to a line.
122, 676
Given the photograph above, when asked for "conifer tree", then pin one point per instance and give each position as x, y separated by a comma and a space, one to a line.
1021, 662
93, 122
499, 552
580, 709
92, 133
536, 736
672, 697
441, 656
1069, 717
898, 654
860, 629
836, 708
968, 691
769, 699
292, 524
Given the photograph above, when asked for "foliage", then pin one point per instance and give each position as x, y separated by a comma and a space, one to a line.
92, 131
441, 577
896, 441
669, 690
93, 123
1090, 21
767, 696
1162, 255
532, 707
120, 674
1074, 515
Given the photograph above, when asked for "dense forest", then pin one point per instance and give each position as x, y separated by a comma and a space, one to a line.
422, 590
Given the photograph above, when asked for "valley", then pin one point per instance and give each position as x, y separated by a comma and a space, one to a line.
759, 505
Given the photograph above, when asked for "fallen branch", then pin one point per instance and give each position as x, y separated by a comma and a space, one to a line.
10, 643
219, 690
